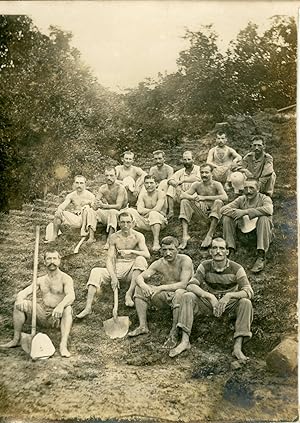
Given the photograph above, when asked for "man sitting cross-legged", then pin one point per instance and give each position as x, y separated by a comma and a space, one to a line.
80, 200
111, 198
219, 285
151, 210
126, 259
176, 270
250, 212
57, 297
204, 198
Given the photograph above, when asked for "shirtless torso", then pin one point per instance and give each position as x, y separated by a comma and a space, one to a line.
54, 289
78, 200
113, 195
160, 173
123, 172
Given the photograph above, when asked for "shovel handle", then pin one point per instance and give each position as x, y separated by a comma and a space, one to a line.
116, 303
34, 279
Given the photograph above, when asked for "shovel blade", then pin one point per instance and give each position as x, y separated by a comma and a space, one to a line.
41, 347
116, 328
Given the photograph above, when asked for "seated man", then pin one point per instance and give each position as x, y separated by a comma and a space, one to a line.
250, 211
161, 171
58, 295
259, 165
79, 199
204, 198
176, 270
132, 177
182, 180
151, 210
126, 259
219, 285
111, 198
221, 157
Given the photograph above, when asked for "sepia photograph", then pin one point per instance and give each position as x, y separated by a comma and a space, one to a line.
148, 211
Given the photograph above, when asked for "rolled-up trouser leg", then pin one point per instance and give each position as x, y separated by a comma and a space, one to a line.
229, 230
244, 317
187, 310
215, 209
264, 230
186, 210
156, 217
91, 219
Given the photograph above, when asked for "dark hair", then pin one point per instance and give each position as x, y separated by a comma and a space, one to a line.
168, 240
206, 165
221, 132
258, 138
109, 168
51, 250
125, 214
146, 177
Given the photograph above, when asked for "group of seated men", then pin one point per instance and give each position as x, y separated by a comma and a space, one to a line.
218, 285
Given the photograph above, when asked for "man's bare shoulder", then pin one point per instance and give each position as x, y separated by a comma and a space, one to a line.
185, 259
139, 235
66, 278
217, 184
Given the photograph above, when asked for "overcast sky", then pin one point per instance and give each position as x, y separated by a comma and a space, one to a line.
126, 41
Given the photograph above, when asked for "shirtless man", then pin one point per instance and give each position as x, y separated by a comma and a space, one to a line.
176, 271
221, 157
131, 176
151, 210
126, 259
79, 199
219, 285
161, 171
111, 198
57, 296
259, 165
204, 198
182, 180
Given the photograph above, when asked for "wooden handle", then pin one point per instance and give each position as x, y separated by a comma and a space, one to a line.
34, 279
116, 300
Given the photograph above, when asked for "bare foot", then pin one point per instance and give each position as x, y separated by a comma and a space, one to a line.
184, 242
90, 241
128, 300
237, 353
10, 344
138, 331
171, 342
156, 247
64, 352
206, 242
84, 313
106, 246
183, 346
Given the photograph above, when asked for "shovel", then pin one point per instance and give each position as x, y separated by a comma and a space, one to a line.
37, 345
116, 327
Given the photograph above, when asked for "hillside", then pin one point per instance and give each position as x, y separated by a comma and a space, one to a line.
135, 378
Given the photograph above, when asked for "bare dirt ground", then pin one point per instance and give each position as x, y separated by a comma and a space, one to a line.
134, 379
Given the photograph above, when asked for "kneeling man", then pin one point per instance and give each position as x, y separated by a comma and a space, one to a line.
57, 297
126, 259
176, 271
219, 285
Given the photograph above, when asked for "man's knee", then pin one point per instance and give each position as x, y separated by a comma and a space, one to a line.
68, 312
263, 220
140, 263
178, 294
245, 303
218, 203
188, 297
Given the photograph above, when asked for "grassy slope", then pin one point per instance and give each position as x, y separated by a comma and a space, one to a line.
136, 378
